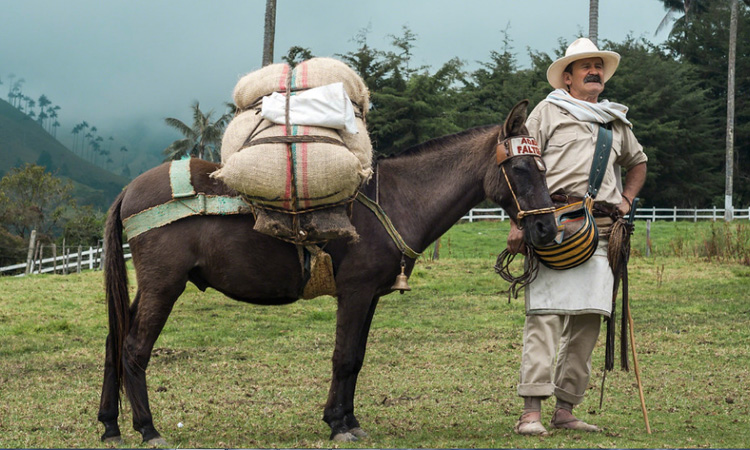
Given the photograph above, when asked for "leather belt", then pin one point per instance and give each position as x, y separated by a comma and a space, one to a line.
600, 209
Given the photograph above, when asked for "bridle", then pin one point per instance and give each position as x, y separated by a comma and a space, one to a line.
514, 147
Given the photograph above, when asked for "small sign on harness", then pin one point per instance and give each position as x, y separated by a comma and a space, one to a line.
524, 146
518, 146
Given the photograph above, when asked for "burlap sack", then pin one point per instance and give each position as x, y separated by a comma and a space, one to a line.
253, 86
322, 281
261, 171
299, 176
321, 173
361, 146
245, 123
312, 73
318, 72
238, 131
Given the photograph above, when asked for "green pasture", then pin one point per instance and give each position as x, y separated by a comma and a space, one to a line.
441, 367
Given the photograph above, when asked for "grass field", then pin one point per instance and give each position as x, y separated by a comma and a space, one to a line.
441, 367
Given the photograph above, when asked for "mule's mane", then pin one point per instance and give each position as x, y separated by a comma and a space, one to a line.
438, 143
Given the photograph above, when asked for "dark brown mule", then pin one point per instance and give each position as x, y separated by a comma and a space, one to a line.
424, 191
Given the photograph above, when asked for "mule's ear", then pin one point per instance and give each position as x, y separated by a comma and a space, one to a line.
515, 124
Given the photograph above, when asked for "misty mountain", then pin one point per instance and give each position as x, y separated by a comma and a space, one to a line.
23, 140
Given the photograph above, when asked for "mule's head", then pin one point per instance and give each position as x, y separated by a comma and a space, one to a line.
516, 179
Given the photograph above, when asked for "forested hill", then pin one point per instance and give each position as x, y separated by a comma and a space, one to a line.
23, 140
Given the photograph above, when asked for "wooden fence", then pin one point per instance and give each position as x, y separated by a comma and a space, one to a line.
653, 214
61, 260
45, 258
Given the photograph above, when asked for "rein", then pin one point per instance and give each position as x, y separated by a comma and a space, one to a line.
513, 147
507, 149
388, 225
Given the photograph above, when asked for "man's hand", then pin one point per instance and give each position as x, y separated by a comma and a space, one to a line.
515, 240
634, 180
624, 207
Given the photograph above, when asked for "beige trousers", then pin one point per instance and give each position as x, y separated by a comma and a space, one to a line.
570, 339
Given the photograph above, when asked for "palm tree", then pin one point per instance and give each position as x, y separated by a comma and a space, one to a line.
52, 117
43, 103
89, 137
202, 139
15, 95
41, 118
728, 212
76, 129
269, 32
11, 77
123, 150
84, 125
594, 21
680, 11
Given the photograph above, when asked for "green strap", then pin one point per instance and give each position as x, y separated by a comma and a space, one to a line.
388, 225
179, 178
185, 203
176, 209
601, 157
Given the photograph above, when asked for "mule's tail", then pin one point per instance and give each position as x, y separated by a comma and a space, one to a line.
116, 286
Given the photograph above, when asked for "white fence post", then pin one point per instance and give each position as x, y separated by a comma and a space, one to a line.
30, 254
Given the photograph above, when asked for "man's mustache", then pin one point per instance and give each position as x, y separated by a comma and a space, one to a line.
592, 78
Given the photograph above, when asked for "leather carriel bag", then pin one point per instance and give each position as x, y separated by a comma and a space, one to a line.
577, 234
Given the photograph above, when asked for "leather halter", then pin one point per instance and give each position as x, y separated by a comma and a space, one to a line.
514, 147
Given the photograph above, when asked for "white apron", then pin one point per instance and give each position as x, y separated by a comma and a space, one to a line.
586, 289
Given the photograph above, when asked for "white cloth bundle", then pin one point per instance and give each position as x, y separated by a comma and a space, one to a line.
326, 106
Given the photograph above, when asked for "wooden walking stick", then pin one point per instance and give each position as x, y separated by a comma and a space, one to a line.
623, 251
638, 372
631, 333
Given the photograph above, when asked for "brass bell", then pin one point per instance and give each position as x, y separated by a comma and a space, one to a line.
401, 284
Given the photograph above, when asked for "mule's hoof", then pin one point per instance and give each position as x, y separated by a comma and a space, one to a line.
345, 437
359, 433
157, 442
117, 440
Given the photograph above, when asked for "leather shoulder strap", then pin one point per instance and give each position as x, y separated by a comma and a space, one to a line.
601, 158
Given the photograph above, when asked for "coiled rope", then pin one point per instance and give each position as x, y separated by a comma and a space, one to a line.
530, 270
618, 255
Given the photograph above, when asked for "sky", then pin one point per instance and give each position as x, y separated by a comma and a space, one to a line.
125, 65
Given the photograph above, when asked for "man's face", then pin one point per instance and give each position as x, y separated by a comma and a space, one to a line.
585, 81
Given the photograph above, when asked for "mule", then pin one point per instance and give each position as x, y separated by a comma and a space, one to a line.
424, 191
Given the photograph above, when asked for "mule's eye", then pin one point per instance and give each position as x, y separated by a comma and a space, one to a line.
521, 170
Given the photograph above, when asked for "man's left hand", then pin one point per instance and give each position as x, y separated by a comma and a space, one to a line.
624, 207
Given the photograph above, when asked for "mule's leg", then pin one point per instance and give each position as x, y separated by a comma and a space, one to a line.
150, 314
353, 319
109, 404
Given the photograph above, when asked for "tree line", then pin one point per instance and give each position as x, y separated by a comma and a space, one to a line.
676, 93
33, 199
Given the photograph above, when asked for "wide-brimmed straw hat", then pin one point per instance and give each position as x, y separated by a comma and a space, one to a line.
582, 48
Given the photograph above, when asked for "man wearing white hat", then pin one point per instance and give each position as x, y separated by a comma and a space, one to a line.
564, 308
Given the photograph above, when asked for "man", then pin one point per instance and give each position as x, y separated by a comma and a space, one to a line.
564, 307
